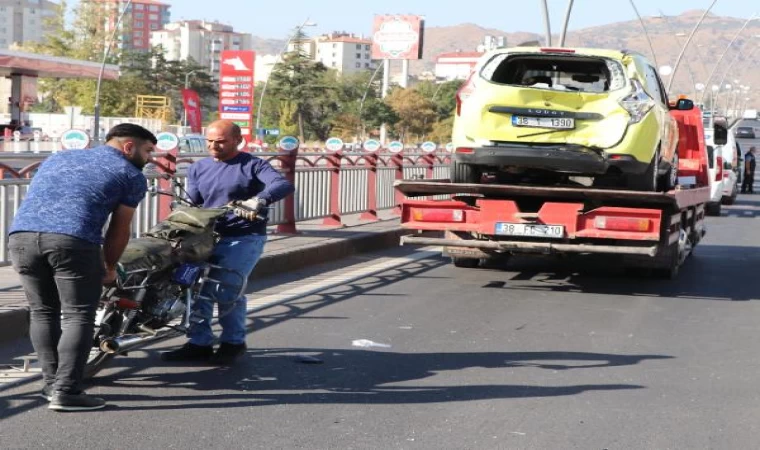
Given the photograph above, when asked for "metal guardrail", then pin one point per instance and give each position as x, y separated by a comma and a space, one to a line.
328, 186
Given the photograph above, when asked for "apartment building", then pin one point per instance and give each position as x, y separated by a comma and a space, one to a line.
200, 40
141, 19
23, 21
344, 52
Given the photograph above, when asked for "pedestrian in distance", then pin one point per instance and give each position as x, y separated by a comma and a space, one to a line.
55, 246
229, 175
749, 171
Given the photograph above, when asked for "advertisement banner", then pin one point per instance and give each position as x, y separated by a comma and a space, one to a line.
397, 37
192, 104
236, 89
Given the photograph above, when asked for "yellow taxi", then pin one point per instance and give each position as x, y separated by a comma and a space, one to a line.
547, 115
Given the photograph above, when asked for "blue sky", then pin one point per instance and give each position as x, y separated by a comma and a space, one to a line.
274, 19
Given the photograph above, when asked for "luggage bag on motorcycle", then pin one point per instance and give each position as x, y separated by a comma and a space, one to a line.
190, 232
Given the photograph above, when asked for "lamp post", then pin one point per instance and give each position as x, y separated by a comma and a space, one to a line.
566, 23
736, 36
187, 86
644, 27
547, 23
306, 23
688, 41
736, 58
106, 52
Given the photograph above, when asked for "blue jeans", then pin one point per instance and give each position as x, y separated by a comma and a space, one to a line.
239, 253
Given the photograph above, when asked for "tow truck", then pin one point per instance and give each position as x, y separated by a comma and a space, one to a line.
655, 231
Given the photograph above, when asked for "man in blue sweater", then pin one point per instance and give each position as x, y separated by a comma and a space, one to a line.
229, 175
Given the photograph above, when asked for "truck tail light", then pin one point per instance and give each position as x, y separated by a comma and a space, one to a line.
437, 215
623, 223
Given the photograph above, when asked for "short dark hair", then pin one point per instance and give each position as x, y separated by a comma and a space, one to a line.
131, 130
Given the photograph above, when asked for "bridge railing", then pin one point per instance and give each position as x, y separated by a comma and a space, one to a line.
329, 185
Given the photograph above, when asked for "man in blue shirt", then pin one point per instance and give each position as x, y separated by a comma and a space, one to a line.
55, 246
229, 175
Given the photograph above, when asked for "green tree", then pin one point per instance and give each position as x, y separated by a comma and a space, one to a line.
416, 113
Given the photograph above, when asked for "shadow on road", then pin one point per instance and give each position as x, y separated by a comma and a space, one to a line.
276, 377
713, 272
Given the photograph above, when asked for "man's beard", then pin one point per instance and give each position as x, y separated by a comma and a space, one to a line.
137, 161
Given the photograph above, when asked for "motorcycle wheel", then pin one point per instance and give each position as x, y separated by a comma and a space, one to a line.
98, 359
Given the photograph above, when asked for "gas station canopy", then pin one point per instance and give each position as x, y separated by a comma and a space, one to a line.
45, 66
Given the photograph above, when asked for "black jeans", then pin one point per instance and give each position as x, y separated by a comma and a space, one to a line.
60, 275
749, 181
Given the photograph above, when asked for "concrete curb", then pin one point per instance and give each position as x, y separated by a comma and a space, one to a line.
14, 322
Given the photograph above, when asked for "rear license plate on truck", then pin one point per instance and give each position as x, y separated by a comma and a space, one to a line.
543, 122
530, 230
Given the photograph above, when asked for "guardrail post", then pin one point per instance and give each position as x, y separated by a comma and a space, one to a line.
370, 161
397, 160
334, 163
289, 203
166, 163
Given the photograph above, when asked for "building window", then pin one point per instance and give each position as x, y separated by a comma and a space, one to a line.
139, 24
366, 47
139, 15
153, 16
138, 43
366, 65
358, 46
334, 64
153, 7
154, 26
358, 65
366, 56
138, 33
335, 45
358, 56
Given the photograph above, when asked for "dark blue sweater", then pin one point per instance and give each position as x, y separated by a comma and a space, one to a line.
216, 183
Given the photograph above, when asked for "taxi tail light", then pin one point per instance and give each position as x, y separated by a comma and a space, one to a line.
465, 92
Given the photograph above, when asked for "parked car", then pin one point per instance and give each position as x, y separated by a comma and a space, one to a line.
745, 132
533, 112
192, 143
716, 173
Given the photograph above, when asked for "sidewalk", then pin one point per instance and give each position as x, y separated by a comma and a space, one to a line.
313, 244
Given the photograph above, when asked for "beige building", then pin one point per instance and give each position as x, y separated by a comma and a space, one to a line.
346, 53
23, 21
200, 40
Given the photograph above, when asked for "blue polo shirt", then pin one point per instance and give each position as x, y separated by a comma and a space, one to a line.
74, 192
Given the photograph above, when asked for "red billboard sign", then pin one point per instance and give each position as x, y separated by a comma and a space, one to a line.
236, 89
192, 109
397, 37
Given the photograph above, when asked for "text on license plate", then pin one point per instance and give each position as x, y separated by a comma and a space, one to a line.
530, 230
543, 122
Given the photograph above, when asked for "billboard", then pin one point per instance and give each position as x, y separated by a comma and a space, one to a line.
397, 37
192, 109
236, 89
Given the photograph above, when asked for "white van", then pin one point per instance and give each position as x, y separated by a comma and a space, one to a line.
731, 170
715, 171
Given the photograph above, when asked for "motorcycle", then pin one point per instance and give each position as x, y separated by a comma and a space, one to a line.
161, 275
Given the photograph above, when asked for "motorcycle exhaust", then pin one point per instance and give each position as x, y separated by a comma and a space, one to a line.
127, 342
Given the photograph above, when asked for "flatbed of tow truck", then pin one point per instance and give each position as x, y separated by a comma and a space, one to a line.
652, 230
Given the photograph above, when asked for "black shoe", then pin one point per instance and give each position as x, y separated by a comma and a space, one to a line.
47, 392
228, 353
75, 402
189, 352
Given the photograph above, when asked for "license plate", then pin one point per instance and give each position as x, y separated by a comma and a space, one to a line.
543, 122
530, 230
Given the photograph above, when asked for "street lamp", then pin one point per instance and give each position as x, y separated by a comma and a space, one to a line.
306, 23
736, 58
547, 23
184, 110
566, 23
736, 36
644, 27
688, 41
106, 52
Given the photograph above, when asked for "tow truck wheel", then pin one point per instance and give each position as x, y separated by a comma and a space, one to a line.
465, 263
465, 173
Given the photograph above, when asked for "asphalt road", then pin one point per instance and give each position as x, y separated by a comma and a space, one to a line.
544, 354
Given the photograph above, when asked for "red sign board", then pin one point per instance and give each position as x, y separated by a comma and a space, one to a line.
236, 89
397, 37
192, 109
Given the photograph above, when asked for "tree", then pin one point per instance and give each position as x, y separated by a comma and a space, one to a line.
416, 113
